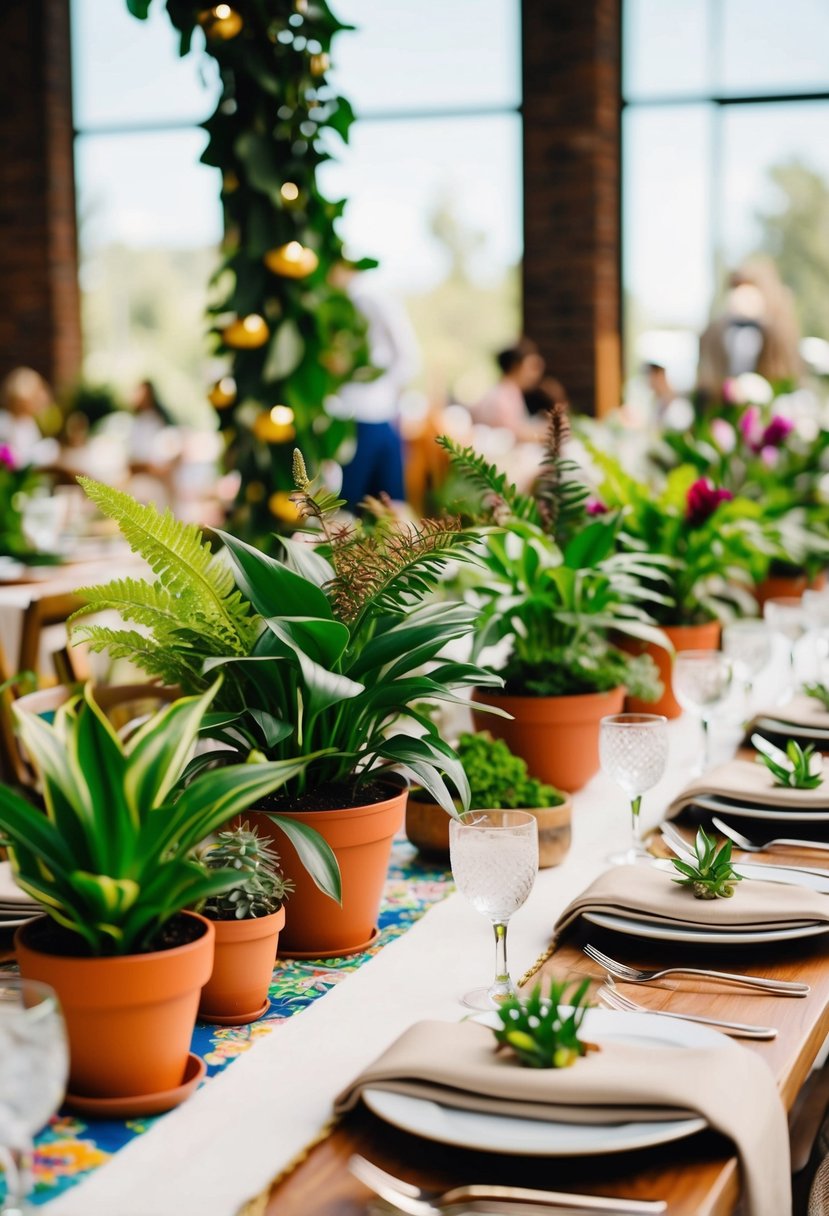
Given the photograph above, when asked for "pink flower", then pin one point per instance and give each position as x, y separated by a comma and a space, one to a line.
7, 457
769, 455
723, 435
776, 431
731, 391
751, 427
594, 506
702, 501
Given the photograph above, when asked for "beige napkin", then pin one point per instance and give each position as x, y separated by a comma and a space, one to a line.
650, 893
751, 782
800, 711
455, 1064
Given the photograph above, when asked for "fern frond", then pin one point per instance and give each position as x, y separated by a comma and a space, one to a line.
560, 493
498, 492
155, 660
147, 604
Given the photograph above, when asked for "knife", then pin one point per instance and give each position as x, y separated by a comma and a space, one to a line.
793, 876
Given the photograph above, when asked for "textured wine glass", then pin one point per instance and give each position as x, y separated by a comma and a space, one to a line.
749, 646
785, 616
702, 683
816, 615
633, 749
494, 857
34, 1063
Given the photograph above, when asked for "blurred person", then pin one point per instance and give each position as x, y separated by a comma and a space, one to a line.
757, 331
377, 465
154, 445
522, 369
25, 398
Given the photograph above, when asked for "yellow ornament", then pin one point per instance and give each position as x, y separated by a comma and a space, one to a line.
289, 192
254, 491
223, 393
275, 425
282, 505
292, 261
221, 22
246, 333
319, 64
301, 6
230, 182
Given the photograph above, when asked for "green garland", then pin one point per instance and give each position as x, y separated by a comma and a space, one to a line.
293, 338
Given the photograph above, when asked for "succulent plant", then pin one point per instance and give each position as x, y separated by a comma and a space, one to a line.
819, 691
799, 773
261, 888
711, 876
543, 1031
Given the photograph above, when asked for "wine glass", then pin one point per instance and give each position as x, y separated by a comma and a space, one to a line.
34, 1064
633, 749
494, 856
749, 646
785, 616
816, 615
701, 683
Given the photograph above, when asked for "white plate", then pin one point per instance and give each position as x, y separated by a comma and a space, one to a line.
16, 922
781, 815
700, 937
778, 727
543, 1137
10, 892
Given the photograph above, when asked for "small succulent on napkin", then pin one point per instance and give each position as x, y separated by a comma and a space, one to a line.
543, 1031
711, 876
796, 771
819, 691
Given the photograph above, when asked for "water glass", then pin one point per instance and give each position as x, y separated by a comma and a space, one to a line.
785, 616
749, 646
702, 683
34, 1065
494, 856
633, 749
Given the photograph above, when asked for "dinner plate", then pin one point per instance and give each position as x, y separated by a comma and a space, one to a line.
543, 1137
778, 727
778, 814
659, 931
10, 892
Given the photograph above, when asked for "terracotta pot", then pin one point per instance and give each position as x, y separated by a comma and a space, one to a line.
682, 637
787, 586
129, 1020
242, 969
427, 827
557, 736
361, 838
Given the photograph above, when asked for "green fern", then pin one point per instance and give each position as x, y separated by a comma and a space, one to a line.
494, 485
560, 493
171, 665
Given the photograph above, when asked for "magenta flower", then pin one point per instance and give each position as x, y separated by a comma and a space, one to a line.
595, 506
776, 432
7, 457
702, 500
751, 427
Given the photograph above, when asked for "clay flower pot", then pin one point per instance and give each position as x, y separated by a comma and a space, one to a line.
557, 736
427, 827
787, 586
361, 838
129, 1020
237, 991
682, 637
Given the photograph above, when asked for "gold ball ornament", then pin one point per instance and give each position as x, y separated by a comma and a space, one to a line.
246, 333
275, 425
292, 261
223, 393
221, 22
301, 6
319, 64
289, 192
254, 491
230, 182
282, 506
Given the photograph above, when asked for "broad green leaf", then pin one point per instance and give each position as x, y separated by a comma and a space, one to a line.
314, 852
271, 587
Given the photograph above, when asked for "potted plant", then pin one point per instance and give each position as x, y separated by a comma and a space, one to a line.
554, 590
498, 780
329, 646
714, 545
111, 863
247, 918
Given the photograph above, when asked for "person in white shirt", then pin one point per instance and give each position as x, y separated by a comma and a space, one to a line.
24, 397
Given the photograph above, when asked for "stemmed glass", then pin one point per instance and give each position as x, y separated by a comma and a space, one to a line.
749, 646
816, 616
34, 1064
494, 857
785, 616
701, 683
633, 749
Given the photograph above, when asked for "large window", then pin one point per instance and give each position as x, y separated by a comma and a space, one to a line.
725, 155
432, 174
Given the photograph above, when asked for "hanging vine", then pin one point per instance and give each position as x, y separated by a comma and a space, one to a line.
291, 336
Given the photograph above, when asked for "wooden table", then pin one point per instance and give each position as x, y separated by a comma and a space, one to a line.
698, 1176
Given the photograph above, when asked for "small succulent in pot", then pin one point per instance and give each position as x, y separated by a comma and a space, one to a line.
262, 888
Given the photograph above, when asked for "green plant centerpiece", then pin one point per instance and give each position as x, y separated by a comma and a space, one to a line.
710, 874
799, 768
260, 887
330, 648
543, 1031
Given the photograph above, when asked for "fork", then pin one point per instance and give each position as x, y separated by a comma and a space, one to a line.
611, 998
636, 975
751, 846
416, 1202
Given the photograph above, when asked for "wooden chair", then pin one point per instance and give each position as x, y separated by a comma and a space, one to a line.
42, 613
9, 750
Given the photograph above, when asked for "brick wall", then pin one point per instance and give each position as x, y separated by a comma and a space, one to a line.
39, 316
571, 53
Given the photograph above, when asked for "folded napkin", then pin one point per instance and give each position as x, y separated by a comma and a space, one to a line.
801, 711
10, 893
649, 893
455, 1064
751, 782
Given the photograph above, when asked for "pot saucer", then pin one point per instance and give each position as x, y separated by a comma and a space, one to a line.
143, 1104
236, 1019
345, 952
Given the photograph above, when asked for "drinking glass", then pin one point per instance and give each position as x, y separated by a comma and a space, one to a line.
701, 683
633, 749
494, 857
749, 646
816, 616
785, 616
34, 1064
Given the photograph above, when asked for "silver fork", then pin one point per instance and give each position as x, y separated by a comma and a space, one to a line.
416, 1202
636, 975
613, 999
751, 846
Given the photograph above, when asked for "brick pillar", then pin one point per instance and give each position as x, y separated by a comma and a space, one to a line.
571, 55
40, 313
